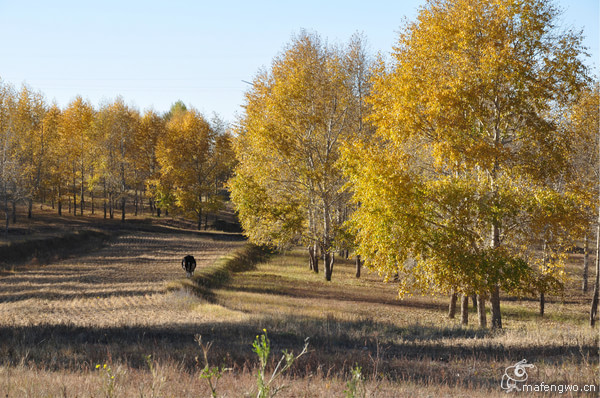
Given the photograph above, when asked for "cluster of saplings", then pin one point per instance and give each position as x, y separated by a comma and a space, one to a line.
464, 163
83, 159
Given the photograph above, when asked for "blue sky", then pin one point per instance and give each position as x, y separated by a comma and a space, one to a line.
156, 52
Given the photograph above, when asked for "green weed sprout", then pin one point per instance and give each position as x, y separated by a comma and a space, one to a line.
262, 347
211, 374
355, 386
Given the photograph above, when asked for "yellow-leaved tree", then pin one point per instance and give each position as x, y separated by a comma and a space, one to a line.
116, 126
152, 129
8, 147
187, 162
54, 180
460, 182
585, 120
288, 186
32, 144
75, 132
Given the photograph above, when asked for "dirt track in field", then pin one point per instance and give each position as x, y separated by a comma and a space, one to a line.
122, 284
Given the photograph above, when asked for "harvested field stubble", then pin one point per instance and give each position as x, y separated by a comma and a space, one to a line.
119, 305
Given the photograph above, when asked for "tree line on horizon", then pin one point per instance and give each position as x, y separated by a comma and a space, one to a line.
75, 157
465, 164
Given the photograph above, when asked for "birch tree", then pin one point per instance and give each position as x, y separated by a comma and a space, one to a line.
288, 185
468, 146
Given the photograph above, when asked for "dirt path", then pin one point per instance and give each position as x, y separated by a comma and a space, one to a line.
122, 284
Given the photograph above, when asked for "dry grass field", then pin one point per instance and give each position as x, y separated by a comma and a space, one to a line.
118, 306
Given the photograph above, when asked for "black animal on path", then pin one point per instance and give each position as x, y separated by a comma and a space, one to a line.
189, 265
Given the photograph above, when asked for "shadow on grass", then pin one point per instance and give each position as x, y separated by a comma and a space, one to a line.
311, 292
335, 344
45, 250
62, 296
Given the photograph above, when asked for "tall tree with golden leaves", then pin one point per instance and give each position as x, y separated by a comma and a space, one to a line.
288, 185
468, 146
8, 148
76, 130
117, 124
152, 129
32, 144
185, 156
585, 119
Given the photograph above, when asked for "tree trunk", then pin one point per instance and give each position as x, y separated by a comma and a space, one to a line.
543, 287
6, 213
495, 291
495, 303
199, 217
586, 263
123, 209
358, 265
104, 195
29, 208
14, 211
74, 198
92, 200
481, 311
328, 256
315, 258
464, 309
328, 259
474, 299
452, 306
82, 201
594, 307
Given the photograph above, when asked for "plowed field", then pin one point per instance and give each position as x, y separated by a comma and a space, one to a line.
120, 284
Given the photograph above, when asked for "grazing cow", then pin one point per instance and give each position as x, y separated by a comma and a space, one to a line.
189, 265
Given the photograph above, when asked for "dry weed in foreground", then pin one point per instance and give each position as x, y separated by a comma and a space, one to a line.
24, 381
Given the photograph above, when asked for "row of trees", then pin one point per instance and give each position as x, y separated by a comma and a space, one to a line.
466, 164
80, 154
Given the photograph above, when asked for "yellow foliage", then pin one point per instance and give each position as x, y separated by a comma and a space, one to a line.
466, 167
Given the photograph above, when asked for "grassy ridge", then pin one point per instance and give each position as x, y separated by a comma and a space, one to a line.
206, 279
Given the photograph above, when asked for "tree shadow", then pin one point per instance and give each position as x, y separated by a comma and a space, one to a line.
401, 353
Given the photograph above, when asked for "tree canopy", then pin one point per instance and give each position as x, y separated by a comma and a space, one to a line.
465, 171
